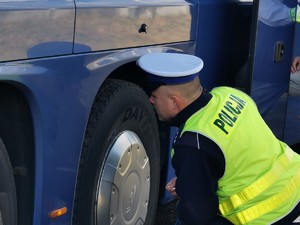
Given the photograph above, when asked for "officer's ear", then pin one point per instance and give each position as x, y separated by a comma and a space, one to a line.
176, 103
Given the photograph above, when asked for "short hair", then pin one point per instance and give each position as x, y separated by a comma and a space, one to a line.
188, 90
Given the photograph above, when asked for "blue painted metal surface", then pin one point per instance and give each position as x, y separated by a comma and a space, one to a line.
60, 92
25, 24
59, 63
270, 77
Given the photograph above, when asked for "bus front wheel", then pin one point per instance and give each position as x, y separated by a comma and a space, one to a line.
118, 181
8, 199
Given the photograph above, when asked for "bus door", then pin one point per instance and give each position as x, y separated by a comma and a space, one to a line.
270, 60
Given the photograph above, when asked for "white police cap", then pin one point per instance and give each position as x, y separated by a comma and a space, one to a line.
170, 68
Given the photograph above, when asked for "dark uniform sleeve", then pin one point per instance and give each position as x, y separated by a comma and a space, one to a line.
198, 164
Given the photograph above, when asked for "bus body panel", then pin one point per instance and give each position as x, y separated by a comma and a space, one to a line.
106, 25
25, 24
271, 63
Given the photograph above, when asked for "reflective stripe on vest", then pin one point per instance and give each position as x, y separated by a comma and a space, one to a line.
257, 188
268, 205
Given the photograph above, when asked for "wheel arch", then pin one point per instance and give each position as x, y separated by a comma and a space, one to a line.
16, 132
130, 72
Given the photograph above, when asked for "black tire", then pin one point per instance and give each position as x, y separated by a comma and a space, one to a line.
119, 175
8, 197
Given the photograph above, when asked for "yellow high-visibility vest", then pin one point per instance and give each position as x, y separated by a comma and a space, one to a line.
261, 183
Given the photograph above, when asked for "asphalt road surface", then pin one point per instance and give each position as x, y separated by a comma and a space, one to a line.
166, 214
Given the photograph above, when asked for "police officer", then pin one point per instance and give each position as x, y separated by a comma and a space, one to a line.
229, 167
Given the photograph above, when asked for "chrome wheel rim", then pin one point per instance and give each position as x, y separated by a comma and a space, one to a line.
124, 187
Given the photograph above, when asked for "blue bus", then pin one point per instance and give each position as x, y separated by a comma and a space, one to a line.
79, 142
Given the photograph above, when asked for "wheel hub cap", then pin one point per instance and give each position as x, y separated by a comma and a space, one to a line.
124, 187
